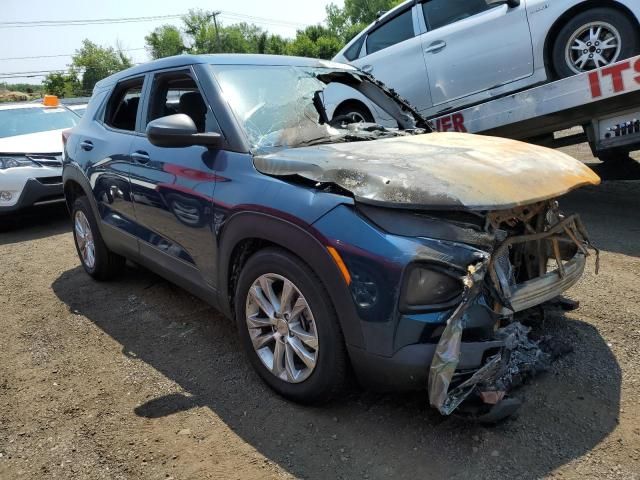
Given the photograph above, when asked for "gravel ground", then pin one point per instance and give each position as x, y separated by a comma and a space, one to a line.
137, 379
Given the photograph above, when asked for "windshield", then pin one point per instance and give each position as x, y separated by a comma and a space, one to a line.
287, 105
22, 121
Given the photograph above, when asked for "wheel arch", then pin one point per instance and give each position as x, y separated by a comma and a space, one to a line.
75, 184
563, 19
246, 233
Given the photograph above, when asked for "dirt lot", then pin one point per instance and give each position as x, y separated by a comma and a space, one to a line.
137, 379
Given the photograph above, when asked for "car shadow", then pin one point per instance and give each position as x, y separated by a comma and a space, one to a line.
566, 411
34, 223
610, 214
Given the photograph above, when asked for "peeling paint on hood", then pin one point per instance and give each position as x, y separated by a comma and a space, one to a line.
436, 170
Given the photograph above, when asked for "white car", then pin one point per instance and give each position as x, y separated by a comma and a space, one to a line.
447, 54
31, 154
78, 109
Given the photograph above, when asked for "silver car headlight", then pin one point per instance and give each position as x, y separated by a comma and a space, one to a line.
14, 162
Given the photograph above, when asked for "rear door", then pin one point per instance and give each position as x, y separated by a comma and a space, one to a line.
393, 54
103, 152
471, 46
173, 188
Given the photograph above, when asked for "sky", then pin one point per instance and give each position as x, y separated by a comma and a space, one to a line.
277, 16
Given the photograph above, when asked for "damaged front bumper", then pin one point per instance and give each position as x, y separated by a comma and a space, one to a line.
448, 384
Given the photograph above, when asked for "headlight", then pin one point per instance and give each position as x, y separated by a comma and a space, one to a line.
430, 286
13, 162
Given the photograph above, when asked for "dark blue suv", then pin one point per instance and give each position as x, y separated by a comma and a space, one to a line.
337, 245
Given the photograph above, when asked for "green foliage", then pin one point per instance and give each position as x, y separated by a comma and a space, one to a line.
345, 23
62, 85
165, 41
29, 88
366, 11
98, 62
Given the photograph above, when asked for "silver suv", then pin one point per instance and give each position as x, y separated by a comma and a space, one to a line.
442, 54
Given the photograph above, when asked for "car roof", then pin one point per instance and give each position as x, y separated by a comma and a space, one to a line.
219, 59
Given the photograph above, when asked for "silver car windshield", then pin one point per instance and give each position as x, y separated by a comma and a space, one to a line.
23, 121
278, 105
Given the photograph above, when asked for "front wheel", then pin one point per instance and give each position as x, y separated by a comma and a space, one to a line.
289, 329
594, 39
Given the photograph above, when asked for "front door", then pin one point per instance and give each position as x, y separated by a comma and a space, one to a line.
474, 45
172, 188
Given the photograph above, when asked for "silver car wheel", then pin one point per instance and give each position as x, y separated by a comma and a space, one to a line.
282, 328
357, 116
84, 237
594, 45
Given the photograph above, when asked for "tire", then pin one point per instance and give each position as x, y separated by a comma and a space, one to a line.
327, 378
102, 264
615, 24
354, 110
614, 156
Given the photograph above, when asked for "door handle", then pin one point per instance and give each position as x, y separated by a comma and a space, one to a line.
140, 157
367, 68
435, 47
87, 145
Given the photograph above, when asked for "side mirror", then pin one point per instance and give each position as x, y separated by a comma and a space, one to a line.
513, 3
179, 130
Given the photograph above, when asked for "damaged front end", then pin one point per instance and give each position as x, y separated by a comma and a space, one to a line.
537, 254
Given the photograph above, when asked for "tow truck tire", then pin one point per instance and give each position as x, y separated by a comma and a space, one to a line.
617, 29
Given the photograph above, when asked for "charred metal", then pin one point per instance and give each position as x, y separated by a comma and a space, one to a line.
519, 273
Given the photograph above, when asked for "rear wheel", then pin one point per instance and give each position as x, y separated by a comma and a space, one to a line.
97, 260
289, 329
594, 39
353, 112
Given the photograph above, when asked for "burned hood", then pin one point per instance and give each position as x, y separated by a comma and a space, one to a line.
436, 170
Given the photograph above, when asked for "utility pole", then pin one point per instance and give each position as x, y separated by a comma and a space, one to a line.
214, 16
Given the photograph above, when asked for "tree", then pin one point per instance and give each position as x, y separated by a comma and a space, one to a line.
165, 41
366, 11
345, 23
62, 85
98, 62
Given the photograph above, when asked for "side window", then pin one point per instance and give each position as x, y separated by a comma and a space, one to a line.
353, 52
396, 30
122, 107
177, 92
438, 13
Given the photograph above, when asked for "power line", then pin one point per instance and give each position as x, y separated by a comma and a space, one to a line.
106, 21
63, 55
263, 20
95, 21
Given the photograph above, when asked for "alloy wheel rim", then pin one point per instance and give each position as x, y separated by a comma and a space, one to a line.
282, 328
84, 237
357, 116
594, 45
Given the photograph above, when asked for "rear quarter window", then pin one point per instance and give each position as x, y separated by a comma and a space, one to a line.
353, 52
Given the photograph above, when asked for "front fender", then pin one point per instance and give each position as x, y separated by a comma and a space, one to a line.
307, 244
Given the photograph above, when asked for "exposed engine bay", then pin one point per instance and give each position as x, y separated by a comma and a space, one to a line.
538, 253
